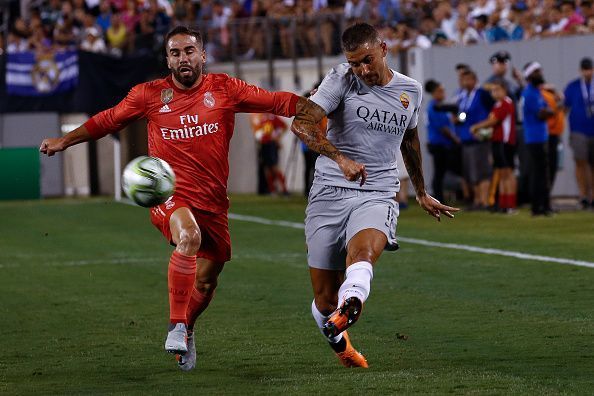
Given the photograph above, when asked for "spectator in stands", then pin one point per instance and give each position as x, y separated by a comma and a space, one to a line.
51, 12
579, 100
556, 22
428, 28
587, 9
283, 13
254, 32
357, 11
65, 33
18, 37
466, 34
144, 34
446, 19
573, 17
495, 32
481, 26
218, 31
515, 28
482, 7
388, 11
555, 127
104, 17
93, 41
536, 112
117, 36
40, 41
441, 137
474, 105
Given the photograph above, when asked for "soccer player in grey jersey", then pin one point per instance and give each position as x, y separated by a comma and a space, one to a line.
351, 215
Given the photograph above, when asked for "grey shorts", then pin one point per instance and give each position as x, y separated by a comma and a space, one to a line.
335, 214
582, 147
476, 164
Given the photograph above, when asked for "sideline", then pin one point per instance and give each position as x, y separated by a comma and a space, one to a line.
468, 248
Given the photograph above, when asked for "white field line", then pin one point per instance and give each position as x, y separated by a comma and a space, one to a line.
468, 248
275, 257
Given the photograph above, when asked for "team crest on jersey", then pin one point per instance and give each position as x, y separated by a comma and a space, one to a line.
169, 203
405, 100
209, 100
166, 95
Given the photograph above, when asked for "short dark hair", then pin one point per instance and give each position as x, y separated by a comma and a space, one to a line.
468, 73
462, 66
357, 35
483, 18
183, 30
431, 86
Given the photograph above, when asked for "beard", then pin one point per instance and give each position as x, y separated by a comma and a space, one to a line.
187, 75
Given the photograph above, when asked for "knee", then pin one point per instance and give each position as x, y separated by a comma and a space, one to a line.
362, 253
189, 241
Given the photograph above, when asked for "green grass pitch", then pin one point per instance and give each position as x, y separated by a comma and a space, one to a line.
83, 307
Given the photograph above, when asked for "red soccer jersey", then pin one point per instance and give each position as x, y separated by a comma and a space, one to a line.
191, 129
505, 130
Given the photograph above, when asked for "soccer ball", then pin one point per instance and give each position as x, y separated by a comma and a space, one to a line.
148, 181
485, 134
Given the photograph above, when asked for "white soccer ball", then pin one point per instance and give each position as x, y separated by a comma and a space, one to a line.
148, 181
485, 133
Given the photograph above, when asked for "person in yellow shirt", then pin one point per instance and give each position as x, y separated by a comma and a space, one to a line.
117, 35
556, 126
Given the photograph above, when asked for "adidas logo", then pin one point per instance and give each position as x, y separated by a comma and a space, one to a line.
165, 109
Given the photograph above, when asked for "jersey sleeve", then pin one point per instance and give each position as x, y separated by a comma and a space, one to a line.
331, 90
248, 98
131, 108
414, 121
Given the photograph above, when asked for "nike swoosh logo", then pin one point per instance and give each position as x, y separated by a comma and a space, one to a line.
362, 93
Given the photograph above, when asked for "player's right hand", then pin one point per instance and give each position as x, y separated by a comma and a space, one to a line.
352, 170
51, 146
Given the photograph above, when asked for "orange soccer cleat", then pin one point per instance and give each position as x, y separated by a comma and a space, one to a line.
343, 318
350, 357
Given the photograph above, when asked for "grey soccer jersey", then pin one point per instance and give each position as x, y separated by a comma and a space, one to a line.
366, 124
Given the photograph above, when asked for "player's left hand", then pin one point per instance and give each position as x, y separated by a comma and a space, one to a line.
435, 208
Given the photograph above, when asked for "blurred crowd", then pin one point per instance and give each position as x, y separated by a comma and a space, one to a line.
301, 27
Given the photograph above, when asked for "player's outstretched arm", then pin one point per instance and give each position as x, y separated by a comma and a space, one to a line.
305, 126
411, 153
50, 146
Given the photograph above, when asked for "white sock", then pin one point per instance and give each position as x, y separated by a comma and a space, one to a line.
321, 321
357, 282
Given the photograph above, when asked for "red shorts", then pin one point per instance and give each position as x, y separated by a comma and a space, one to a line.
214, 229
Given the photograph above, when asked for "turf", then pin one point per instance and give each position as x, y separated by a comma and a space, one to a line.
83, 307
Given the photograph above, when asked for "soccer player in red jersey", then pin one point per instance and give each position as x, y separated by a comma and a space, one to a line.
191, 117
502, 120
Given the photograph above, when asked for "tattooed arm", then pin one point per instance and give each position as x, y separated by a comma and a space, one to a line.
305, 126
411, 153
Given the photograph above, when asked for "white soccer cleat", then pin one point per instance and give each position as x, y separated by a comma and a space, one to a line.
176, 339
187, 362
